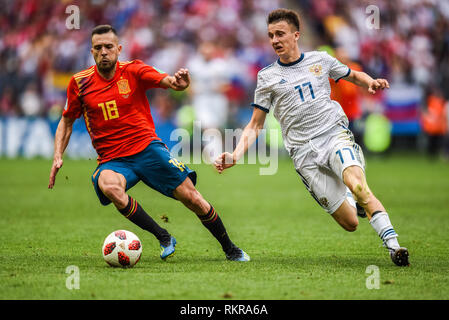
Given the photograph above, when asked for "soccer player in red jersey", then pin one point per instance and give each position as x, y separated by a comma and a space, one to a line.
111, 97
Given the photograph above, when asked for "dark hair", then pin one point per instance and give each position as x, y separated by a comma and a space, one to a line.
289, 16
103, 28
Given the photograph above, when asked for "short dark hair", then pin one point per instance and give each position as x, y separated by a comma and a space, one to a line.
289, 16
103, 28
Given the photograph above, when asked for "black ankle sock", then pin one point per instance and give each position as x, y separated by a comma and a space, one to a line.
135, 213
374, 213
215, 226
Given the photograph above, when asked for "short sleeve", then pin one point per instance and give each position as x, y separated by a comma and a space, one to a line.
149, 76
262, 95
73, 106
337, 70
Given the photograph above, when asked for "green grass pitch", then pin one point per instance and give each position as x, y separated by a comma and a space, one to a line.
297, 250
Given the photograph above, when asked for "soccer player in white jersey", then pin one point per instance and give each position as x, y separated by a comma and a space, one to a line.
315, 130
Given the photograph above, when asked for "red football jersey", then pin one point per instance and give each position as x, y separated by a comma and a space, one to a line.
116, 111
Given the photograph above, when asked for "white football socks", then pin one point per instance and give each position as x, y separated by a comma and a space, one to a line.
381, 223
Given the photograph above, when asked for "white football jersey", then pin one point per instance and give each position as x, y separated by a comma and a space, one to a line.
298, 94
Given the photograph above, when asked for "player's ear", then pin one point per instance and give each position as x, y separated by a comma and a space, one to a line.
119, 48
297, 35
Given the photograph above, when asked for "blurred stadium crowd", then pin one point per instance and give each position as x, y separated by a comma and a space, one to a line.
224, 44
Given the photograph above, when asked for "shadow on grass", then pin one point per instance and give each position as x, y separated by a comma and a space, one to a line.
188, 263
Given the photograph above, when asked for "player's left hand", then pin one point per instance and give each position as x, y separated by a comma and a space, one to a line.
378, 84
181, 79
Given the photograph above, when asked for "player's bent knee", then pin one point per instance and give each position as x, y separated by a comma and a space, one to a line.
350, 226
354, 179
111, 190
115, 193
363, 195
112, 184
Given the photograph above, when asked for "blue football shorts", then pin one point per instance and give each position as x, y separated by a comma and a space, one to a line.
154, 166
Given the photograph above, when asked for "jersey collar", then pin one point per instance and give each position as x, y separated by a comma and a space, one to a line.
301, 57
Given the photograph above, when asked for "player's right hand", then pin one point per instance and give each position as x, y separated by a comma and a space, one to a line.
378, 84
57, 164
224, 161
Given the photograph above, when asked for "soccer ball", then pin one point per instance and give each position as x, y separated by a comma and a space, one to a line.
122, 248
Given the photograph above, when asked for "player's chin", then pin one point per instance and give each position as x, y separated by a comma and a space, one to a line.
105, 66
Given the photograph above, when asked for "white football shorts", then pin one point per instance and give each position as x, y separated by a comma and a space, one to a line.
321, 162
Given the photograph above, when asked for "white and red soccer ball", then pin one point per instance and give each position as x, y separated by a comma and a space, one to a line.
122, 248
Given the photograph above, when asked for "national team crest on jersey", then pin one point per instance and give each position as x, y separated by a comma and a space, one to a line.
123, 87
316, 69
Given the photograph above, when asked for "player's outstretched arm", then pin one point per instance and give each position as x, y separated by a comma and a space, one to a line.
62, 137
249, 135
179, 81
364, 80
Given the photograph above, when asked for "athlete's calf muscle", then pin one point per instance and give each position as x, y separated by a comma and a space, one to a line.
191, 198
